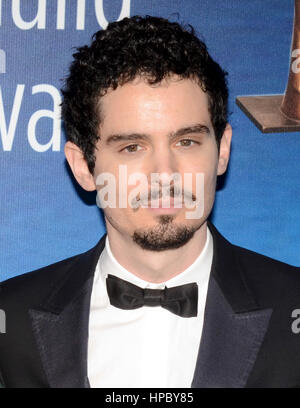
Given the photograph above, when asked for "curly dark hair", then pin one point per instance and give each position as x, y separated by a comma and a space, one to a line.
152, 47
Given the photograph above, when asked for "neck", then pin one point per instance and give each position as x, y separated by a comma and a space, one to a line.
151, 266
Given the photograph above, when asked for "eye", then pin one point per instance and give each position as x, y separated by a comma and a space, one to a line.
186, 142
131, 148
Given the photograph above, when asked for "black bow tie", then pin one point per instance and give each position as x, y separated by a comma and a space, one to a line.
181, 300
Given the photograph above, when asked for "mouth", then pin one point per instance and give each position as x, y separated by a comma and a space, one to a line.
165, 206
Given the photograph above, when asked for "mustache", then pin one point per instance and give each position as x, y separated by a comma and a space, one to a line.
164, 193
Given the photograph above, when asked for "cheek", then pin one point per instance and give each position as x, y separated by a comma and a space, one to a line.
104, 164
205, 187
206, 168
118, 165
210, 187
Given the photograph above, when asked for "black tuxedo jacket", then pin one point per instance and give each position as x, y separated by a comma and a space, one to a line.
247, 338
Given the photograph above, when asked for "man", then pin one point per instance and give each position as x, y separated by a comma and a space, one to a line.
163, 300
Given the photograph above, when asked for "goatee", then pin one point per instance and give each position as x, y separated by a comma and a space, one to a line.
165, 235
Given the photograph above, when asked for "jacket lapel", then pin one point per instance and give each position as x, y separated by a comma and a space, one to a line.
234, 325
60, 324
229, 344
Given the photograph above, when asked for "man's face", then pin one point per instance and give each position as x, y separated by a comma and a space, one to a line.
162, 129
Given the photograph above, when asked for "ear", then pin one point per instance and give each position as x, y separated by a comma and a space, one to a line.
224, 153
79, 167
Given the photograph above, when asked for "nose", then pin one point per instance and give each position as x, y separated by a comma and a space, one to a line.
164, 164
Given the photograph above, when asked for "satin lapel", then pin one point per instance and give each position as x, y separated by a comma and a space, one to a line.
60, 325
234, 325
229, 344
62, 341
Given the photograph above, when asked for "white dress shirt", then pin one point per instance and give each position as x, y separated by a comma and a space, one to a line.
149, 346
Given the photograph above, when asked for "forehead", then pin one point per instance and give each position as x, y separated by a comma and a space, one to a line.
164, 107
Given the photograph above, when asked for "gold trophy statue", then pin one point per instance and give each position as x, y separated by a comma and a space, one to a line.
279, 113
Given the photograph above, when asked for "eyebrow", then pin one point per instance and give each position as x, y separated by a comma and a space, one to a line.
120, 137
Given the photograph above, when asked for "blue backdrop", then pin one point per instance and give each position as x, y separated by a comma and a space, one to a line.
45, 216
